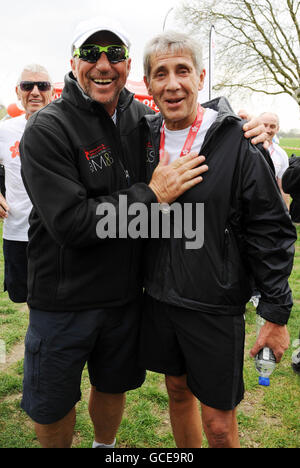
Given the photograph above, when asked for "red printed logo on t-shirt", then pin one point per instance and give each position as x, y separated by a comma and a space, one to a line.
15, 150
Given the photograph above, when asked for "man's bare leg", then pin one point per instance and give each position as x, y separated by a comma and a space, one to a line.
106, 411
59, 434
221, 427
184, 413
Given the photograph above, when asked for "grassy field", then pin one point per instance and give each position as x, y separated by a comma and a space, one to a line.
291, 145
268, 417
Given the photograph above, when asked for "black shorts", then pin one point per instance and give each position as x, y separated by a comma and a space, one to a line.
59, 344
209, 349
15, 269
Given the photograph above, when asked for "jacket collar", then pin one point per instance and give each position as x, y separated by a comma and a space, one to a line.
220, 104
74, 93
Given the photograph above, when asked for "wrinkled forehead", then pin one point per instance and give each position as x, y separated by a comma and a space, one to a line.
104, 38
171, 57
270, 119
172, 52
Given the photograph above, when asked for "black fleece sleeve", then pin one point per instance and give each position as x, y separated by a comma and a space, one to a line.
268, 236
291, 177
53, 183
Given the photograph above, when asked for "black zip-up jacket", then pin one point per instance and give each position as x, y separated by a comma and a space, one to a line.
291, 185
247, 230
73, 160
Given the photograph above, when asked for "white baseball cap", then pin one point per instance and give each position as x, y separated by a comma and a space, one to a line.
87, 28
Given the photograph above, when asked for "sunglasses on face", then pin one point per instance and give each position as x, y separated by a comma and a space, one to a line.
29, 85
91, 53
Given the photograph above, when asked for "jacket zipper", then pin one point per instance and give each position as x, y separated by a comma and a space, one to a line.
61, 270
225, 268
126, 172
115, 131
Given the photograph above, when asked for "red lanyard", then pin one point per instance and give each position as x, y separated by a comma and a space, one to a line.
271, 149
190, 138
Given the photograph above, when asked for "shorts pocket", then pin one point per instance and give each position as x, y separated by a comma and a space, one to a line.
32, 359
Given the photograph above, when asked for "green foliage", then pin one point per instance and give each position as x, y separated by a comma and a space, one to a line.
291, 146
268, 417
3, 111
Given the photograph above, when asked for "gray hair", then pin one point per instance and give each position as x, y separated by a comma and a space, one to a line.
34, 68
274, 115
172, 42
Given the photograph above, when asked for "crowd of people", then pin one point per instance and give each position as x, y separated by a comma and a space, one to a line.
125, 305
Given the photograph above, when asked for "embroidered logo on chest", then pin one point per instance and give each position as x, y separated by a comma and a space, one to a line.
150, 155
99, 158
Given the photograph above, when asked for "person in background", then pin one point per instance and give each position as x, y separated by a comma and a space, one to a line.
279, 157
193, 316
34, 89
291, 185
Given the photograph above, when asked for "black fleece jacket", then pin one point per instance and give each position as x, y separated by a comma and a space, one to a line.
74, 159
247, 229
291, 185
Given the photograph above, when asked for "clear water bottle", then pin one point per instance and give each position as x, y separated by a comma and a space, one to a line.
296, 357
265, 361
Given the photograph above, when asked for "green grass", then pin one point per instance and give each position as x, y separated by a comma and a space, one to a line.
288, 143
268, 417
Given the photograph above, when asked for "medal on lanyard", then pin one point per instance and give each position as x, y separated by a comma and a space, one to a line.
190, 138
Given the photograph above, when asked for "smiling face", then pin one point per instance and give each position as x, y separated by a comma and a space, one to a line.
102, 81
174, 84
34, 100
270, 122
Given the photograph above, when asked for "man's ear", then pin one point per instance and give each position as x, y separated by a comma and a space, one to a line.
201, 79
147, 86
18, 93
73, 66
128, 66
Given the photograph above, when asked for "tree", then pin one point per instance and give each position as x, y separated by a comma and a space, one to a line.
258, 43
2, 111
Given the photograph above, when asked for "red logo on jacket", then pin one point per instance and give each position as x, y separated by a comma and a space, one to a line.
95, 152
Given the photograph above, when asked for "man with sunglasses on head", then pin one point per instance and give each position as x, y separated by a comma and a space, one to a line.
34, 90
79, 155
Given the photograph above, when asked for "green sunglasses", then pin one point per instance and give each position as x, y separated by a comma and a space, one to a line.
92, 52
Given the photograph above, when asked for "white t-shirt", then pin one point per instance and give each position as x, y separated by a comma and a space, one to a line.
114, 117
175, 139
16, 224
280, 159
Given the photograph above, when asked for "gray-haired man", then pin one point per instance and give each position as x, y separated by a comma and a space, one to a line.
193, 317
34, 89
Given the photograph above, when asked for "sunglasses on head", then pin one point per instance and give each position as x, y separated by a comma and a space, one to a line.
29, 85
92, 52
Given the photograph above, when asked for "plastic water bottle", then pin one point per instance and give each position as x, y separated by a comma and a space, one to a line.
265, 361
295, 357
